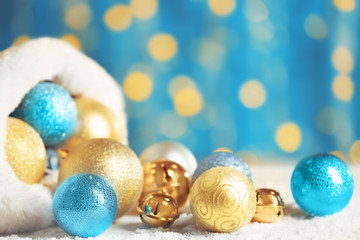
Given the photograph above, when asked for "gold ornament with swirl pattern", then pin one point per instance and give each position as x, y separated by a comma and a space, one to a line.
112, 160
222, 199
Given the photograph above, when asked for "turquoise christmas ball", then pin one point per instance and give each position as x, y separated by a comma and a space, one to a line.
85, 205
322, 184
222, 159
50, 110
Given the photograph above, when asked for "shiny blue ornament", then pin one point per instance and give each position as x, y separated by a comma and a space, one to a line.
50, 110
322, 184
222, 159
52, 159
85, 205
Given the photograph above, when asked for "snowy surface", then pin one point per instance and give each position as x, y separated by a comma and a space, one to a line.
295, 225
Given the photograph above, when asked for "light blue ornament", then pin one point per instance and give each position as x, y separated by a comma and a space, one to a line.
222, 159
322, 184
50, 110
85, 205
52, 159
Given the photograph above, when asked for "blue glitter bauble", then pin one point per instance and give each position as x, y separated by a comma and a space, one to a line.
222, 159
85, 205
50, 110
52, 159
322, 184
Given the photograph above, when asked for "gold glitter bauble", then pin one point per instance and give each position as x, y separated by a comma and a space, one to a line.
222, 199
25, 151
112, 160
167, 177
95, 121
158, 210
270, 206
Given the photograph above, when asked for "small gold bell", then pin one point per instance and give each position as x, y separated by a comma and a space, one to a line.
269, 206
167, 177
158, 210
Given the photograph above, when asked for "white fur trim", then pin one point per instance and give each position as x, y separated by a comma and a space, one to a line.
25, 207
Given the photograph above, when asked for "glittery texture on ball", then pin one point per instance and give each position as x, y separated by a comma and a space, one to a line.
322, 184
172, 151
158, 210
25, 151
167, 177
85, 205
95, 120
112, 160
269, 206
222, 159
222, 199
53, 159
50, 110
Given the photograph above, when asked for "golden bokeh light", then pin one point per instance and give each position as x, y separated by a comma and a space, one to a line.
345, 5
342, 60
118, 18
73, 40
21, 39
188, 102
355, 152
144, 9
137, 86
222, 7
343, 87
178, 83
252, 94
162, 47
223, 149
288, 137
78, 16
315, 27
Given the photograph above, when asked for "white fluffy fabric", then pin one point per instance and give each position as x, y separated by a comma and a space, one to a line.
25, 207
294, 225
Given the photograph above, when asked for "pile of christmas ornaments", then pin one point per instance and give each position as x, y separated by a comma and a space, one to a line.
101, 179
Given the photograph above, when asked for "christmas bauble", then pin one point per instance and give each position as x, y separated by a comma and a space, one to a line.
269, 206
25, 151
222, 199
172, 151
50, 110
85, 205
322, 184
158, 210
167, 177
222, 159
112, 160
95, 120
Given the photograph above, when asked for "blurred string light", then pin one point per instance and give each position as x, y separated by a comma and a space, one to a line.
73, 40
315, 27
222, 54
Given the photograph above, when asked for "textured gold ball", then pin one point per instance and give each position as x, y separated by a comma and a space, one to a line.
222, 199
167, 177
112, 160
158, 210
95, 120
270, 206
25, 151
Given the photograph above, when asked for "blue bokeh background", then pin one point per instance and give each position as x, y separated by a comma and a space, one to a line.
302, 54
